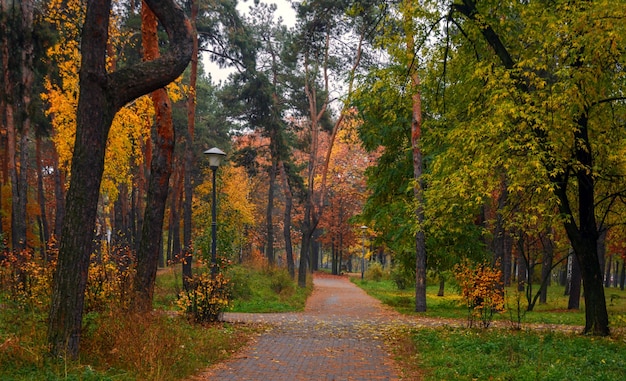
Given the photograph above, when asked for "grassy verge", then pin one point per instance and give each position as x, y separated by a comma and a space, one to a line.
117, 346
464, 354
446, 353
161, 346
450, 306
266, 290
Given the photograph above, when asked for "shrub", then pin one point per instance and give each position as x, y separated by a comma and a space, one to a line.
375, 272
240, 283
402, 278
281, 282
482, 291
205, 298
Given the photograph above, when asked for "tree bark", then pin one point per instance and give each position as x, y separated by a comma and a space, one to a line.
546, 267
102, 94
573, 302
158, 183
622, 277
41, 198
189, 154
269, 211
416, 147
287, 220
59, 196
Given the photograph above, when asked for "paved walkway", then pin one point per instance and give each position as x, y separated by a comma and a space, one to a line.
335, 338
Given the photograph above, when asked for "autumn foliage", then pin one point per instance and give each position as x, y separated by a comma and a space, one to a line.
482, 291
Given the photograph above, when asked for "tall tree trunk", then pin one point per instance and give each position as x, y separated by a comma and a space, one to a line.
607, 272
287, 220
59, 195
615, 272
41, 198
158, 183
522, 264
622, 277
102, 94
416, 136
269, 227
305, 247
189, 155
18, 82
177, 250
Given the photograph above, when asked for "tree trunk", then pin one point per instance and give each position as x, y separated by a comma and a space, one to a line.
158, 183
622, 277
584, 235
442, 285
287, 220
187, 251
522, 265
305, 247
574, 285
546, 267
102, 94
269, 226
176, 203
41, 198
59, 196
615, 272
607, 272
418, 190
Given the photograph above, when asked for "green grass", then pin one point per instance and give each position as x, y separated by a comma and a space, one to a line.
266, 290
503, 354
450, 306
464, 354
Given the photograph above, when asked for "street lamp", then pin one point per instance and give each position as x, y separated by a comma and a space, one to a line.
215, 158
363, 229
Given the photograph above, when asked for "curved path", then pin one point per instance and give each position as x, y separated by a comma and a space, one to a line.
335, 338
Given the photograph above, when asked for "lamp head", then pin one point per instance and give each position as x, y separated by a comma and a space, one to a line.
215, 157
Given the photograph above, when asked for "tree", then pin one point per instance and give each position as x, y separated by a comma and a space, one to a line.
150, 244
101, 95
408, 11
17, 53
559, 69
320, 58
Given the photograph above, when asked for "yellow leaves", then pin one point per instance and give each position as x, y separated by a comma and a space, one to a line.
206, 297
131, 126
481, 289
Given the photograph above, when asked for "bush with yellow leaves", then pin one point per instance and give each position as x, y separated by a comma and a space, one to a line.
205, 298
481, 289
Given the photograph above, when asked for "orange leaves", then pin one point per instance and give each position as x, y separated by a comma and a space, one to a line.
482, 290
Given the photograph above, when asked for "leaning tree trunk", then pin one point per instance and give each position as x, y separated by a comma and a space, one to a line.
158, 183
102, 94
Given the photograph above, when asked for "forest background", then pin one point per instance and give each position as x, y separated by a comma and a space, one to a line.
473, 130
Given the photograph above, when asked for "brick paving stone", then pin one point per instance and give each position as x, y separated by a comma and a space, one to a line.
334, 339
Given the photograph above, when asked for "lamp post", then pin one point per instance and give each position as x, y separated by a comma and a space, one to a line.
215, 158
363, 229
